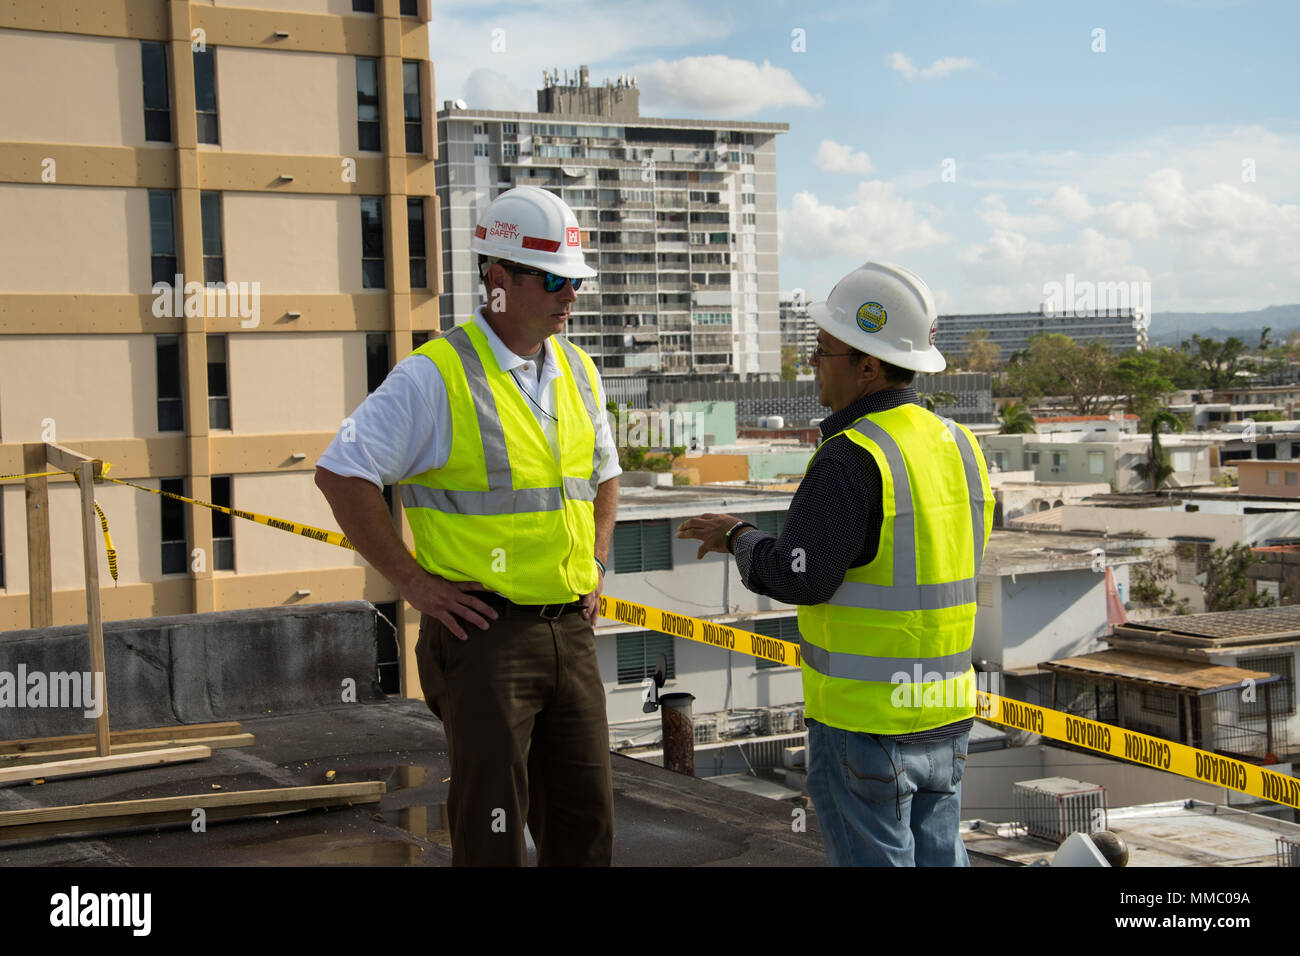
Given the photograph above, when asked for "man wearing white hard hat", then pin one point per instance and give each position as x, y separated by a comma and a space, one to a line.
881, 551
495, 434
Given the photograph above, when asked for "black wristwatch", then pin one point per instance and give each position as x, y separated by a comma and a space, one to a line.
732, 532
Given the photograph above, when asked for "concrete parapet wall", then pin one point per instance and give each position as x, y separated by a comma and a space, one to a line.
196, 668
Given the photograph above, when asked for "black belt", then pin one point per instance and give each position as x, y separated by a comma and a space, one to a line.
507, 608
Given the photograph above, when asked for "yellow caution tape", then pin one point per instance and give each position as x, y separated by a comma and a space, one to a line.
293, 527
39, 474
1117, 742
108, 543
1102, 738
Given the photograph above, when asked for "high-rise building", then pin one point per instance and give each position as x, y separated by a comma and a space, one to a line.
219, 234
798, 330
1121, 329
678, 216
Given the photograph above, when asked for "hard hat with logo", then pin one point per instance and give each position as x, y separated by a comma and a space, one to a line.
886, 311
533, 227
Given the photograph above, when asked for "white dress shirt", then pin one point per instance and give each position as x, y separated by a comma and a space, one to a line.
404, 427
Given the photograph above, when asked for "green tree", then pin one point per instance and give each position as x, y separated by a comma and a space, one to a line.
1147, 583
981, 353
1157, 469
792, 363
1227, 584
1217, 362
1016, 420
933, 400
1058, 365
1138, 378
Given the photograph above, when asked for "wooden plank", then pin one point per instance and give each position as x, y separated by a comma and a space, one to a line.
40, 586
94, 619
158, 811
213, 743
65, 459
221, 728
87, 766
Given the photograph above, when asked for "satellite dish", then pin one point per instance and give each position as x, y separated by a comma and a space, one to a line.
460, 105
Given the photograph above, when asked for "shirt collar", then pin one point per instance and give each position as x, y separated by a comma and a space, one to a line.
881, 401
507, 359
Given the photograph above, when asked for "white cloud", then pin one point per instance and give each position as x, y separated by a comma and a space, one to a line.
717, 86
993, 210
490, 90
876, 224
1070, 203
833, 157
935, 71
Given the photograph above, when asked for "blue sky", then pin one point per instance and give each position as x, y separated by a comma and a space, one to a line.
1165, 150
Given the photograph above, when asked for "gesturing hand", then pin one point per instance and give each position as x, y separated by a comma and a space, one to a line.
448, 600
710, 529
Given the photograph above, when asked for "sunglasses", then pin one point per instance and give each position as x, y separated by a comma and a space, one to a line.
550, 281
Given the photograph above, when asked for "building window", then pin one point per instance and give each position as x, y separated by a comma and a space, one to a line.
481, 149
509, 129
1159, 701
205, 95
784, 628
175, 547
480, 129
368, 105
1273, 477
415, 243
409, 8
218, 383
1096, 463
1283, 691
363, 6
419, 338
157, 100
372, 243
162, 236
214, 260
411, 106
376, 359
509, 151
223, 531
637, 654
773, 522
642, 546
171, 405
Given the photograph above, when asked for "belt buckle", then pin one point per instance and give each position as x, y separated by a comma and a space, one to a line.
559, 610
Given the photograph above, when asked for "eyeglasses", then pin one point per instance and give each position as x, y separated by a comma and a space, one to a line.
550, 281
820, 353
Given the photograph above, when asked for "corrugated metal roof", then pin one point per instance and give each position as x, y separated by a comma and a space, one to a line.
1173, 672
1244, 623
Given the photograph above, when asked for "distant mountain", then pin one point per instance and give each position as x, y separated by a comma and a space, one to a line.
1168, 327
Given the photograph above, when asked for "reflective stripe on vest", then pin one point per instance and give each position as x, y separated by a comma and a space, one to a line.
883, 669
905, 594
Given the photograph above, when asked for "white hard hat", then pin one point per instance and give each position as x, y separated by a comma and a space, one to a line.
886, 311
533, 227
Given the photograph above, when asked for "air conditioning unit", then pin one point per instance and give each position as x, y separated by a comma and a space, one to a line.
1055, 807
706, 728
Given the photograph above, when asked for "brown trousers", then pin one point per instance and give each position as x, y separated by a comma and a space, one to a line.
523, 708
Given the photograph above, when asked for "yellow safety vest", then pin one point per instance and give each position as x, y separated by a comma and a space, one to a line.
890, 652
503, 510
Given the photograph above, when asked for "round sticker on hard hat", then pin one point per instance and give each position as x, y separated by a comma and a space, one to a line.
871, 317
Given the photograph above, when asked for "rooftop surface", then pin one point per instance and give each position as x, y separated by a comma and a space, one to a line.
1176, 833
1188, 675
1223, 625
661, 818
1025, 552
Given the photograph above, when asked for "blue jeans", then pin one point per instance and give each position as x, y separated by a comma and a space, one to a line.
882, 803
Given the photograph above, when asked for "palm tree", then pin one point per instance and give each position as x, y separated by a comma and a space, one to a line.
1157, 469
1016, 420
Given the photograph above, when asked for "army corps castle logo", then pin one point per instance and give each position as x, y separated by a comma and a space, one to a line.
871, 317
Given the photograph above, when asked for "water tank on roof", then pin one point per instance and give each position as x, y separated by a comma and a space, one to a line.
772, 421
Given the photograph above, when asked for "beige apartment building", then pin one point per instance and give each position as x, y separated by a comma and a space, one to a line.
283, 148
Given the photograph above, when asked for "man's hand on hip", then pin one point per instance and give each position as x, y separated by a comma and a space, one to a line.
449, 600
591, 602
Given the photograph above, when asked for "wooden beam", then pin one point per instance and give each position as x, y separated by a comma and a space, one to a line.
94, 619
88, 766
65, 459
40, 583
159, 811
43, 756
139, 735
